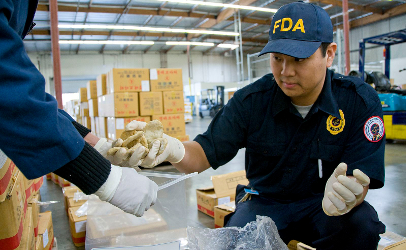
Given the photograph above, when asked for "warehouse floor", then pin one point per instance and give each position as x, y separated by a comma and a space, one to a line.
388, 201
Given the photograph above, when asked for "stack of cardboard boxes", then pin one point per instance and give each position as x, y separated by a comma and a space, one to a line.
22, 226
123, 95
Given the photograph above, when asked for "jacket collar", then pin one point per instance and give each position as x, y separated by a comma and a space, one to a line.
325, 102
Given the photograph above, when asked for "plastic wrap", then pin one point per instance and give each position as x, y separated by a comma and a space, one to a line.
260, 234
82, 211
108, 226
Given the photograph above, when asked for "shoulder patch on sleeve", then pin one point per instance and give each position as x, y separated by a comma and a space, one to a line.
374, 129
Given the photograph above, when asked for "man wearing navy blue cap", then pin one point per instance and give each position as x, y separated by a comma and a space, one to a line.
314, 140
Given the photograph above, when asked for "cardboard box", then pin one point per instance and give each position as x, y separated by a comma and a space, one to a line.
116, 126
127, 80
12, 211
101, 85
166, 80
84, 109
174, 124
77, 227
93, 107
102, 127
121, 104
28, 238
73, 203
33, 204
91, 87
392, 241
62, 182
221, 211
403, 86
45, 231
223, 191
82, 95
182, 137
151, 103
97, 126
38, 184
93, 125
173, 102
101, 103
69, 192
6, 169
54, 178
86, 122
29, 189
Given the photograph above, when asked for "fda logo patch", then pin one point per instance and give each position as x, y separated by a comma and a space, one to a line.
374, 129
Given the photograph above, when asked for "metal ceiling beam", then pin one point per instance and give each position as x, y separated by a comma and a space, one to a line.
140, 11
146, 34
352, 6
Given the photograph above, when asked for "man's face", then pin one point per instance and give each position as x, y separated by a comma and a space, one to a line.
302, 79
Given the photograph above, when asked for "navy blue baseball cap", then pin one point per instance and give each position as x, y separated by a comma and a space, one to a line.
298, 29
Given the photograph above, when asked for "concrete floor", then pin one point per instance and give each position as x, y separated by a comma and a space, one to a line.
388, 201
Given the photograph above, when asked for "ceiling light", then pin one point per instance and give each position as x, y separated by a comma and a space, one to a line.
223, 5
150, 29
190, 43
105, 42
228, 45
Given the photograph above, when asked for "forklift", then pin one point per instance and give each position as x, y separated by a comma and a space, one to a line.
211, 101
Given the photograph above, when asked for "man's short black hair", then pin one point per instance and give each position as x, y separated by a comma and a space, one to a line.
324, 47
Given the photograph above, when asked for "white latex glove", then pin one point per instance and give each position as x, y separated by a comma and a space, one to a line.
342, 193
128, 190
174, 152
119, 155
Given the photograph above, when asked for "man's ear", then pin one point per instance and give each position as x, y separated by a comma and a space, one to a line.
330, 53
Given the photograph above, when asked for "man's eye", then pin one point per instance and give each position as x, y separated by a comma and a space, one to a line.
276, 58
299, 59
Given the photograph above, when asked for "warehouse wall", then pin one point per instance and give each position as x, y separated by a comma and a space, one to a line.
78, 69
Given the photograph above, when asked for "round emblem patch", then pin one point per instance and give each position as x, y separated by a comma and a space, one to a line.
336, 125
374, 129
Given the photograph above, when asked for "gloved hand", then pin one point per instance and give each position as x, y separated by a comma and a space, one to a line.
128, 190
121, 156
174, 152
342, 193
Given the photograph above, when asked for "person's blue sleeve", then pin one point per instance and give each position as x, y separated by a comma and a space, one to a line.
37, 137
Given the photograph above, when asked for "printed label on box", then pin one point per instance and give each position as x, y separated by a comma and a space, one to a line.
45, 239
153, 74
224, 200
80, 226
145, 85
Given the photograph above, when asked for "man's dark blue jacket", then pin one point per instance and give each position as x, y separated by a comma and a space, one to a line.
33, 132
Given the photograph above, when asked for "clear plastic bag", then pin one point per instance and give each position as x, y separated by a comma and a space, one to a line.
108, 226
261, 234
